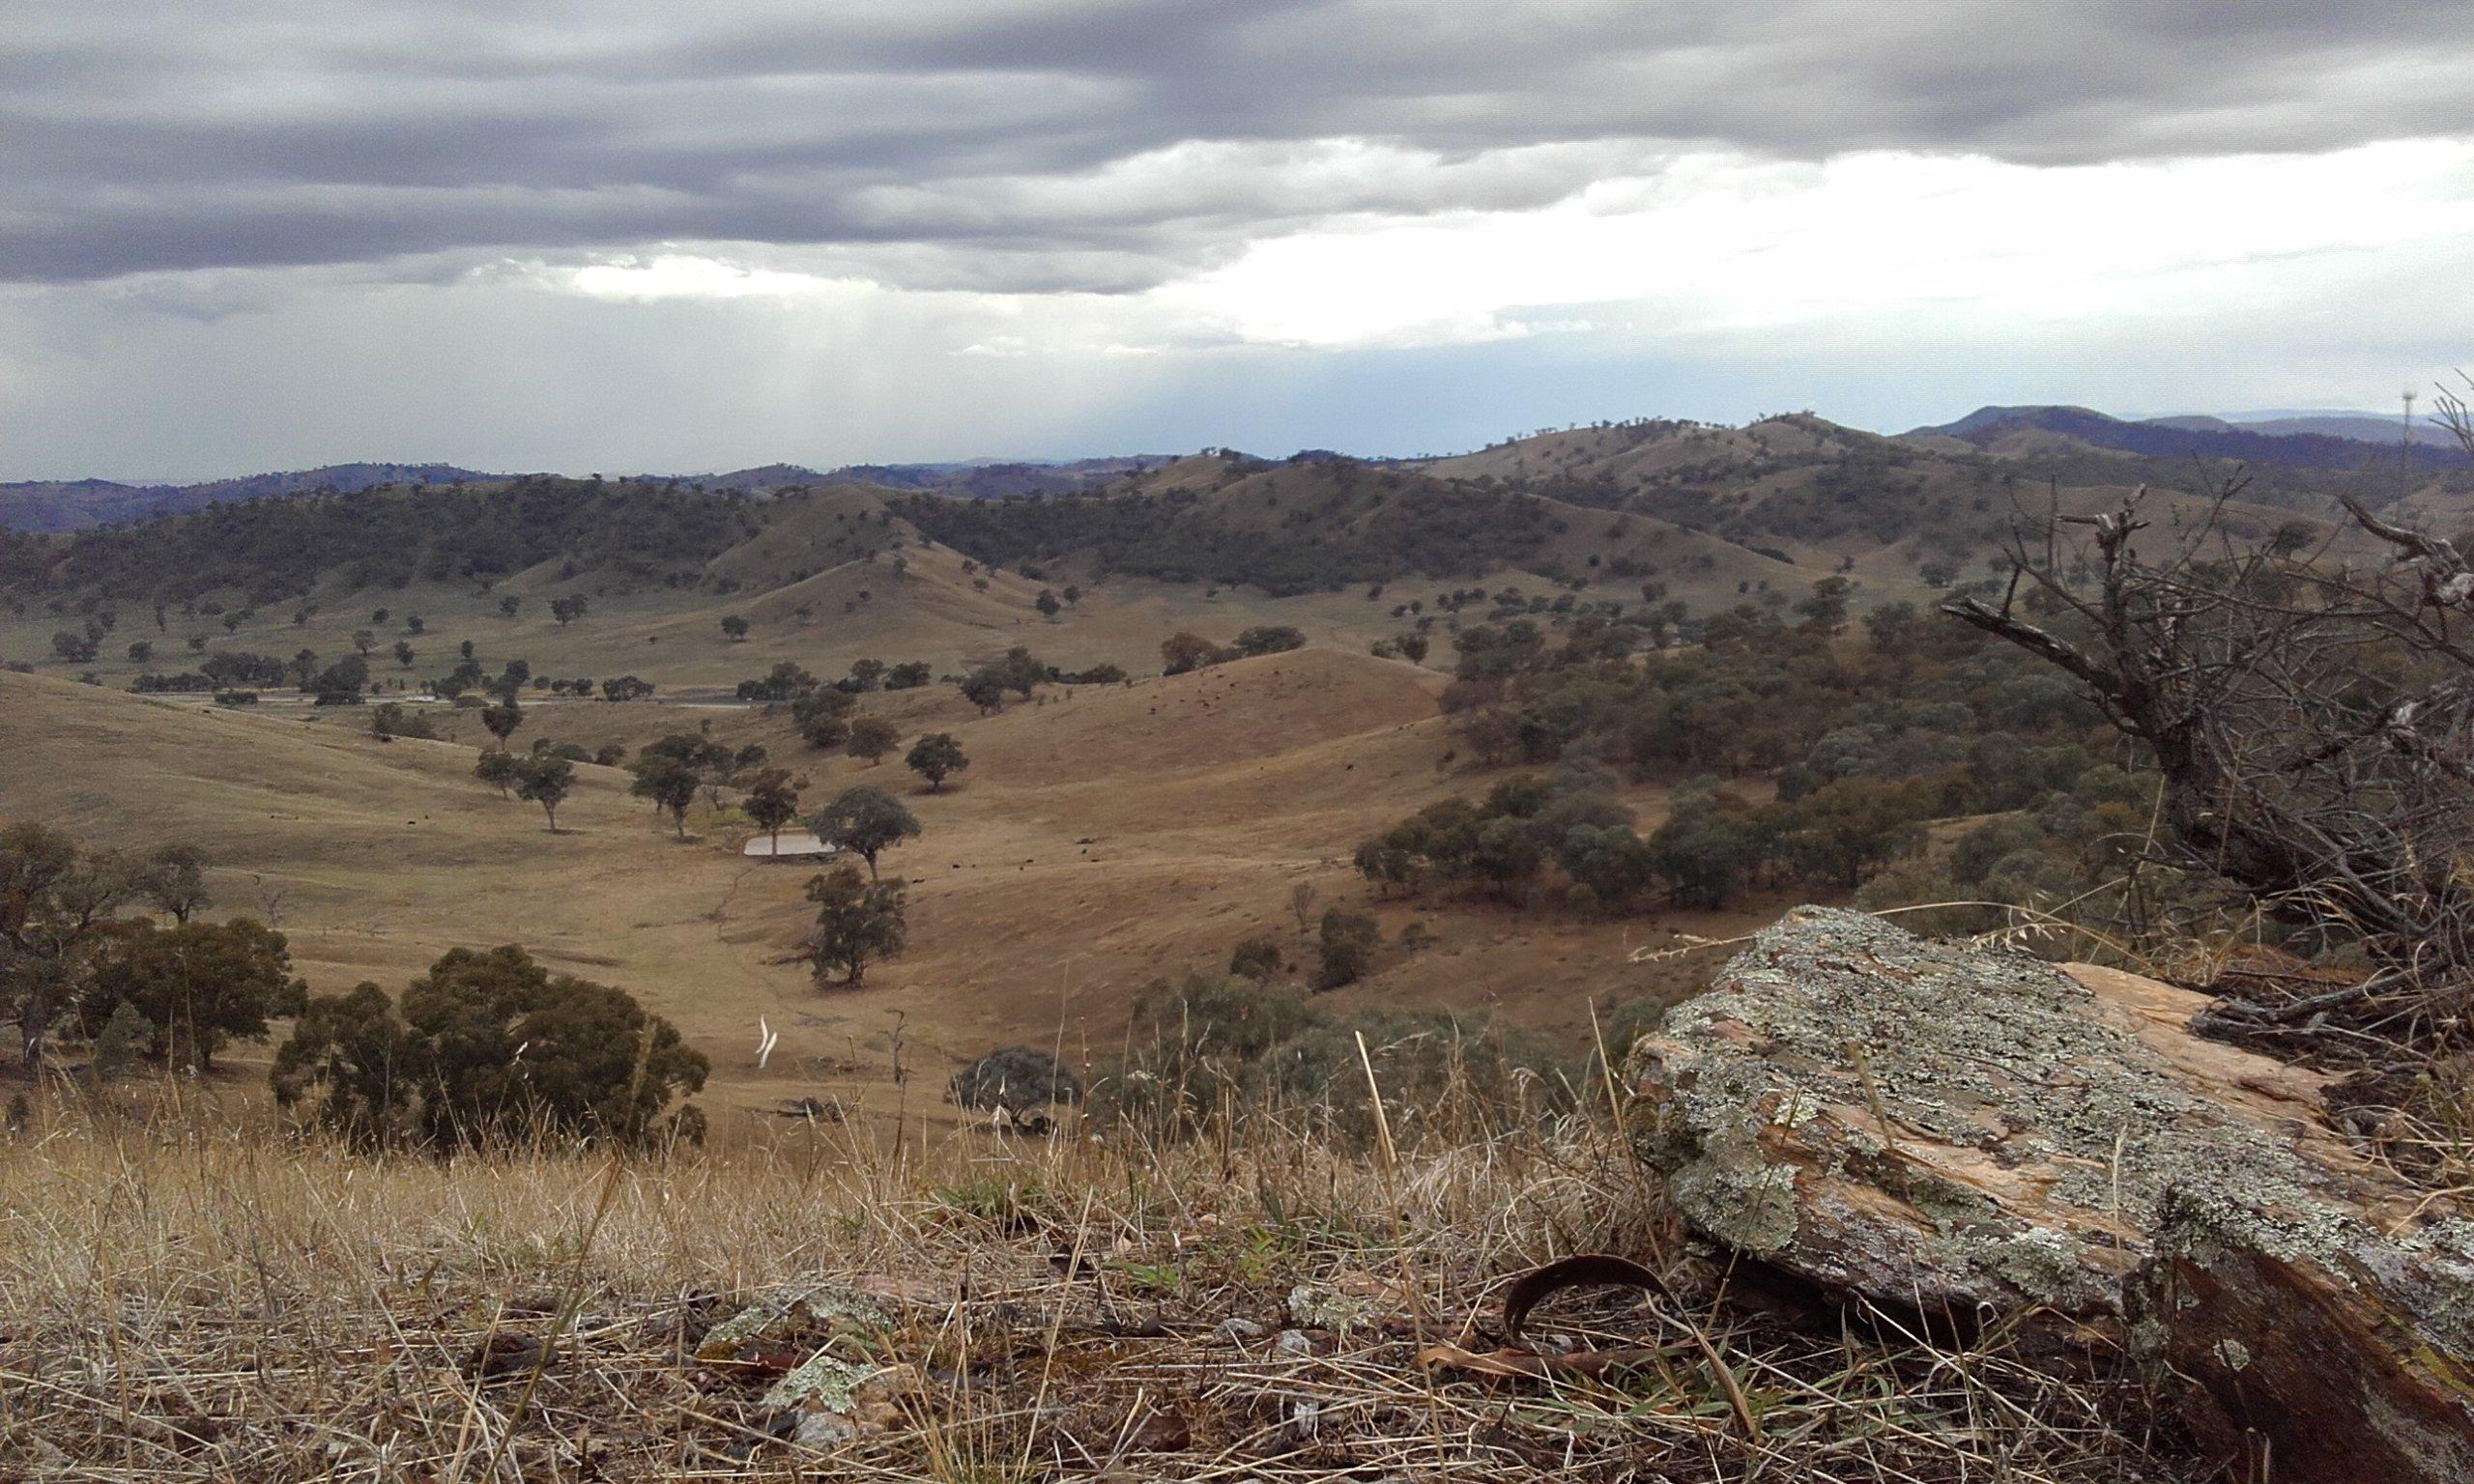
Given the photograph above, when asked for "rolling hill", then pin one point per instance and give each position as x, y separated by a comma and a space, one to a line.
1101, 836
83, 504
1634, 513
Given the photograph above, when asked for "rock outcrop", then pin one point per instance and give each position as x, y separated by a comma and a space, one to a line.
1977, 1134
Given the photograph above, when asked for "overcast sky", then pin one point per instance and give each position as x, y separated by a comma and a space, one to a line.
671, 235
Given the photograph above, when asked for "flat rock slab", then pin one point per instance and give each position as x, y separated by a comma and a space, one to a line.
1976, 1134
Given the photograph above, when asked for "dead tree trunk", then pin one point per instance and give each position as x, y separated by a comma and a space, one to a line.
2312, 723
1988, 1138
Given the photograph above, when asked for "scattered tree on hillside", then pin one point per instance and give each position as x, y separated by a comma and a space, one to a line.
715, 767
350, 1060
1347, 947
985, 689
787, 680
858, 922
822, 717
1269, 638
1257, 958
173, 879
140, 652
196, 986
56, 921
1825, 609
867, 675
909, 675
567, 609
669, 781
488, 1049
546, 779
772, 802
865, 820
502, 721
935, 758
1301, 904
391, 721
1019, 672
508, 603
1184, 651
1049, 605
497, 768
872, 737
363, 640
1889, 626
625, 687
341, 683
404, 655
734, 627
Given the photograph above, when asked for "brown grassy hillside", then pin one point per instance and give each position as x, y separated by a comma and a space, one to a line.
1103, 837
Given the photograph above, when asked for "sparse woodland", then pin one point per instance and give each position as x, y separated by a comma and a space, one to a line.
491, 1219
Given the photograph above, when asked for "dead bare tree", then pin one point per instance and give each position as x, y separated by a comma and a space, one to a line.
2311, 718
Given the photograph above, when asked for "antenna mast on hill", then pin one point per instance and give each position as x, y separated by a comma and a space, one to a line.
2405, 444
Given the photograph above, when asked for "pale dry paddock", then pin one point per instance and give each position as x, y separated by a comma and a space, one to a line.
177, 1302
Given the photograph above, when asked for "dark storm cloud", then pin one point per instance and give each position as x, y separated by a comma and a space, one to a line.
1087, 145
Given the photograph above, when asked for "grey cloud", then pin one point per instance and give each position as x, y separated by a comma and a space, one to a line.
1096, 145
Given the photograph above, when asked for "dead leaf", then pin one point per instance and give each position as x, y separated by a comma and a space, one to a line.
1589, 1269
1529, 1364
504, 1354
1161, 1431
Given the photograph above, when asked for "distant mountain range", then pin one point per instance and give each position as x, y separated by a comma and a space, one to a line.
78, 504
83, 505
1651, 511
2305, 440
2359, 444
2367, 427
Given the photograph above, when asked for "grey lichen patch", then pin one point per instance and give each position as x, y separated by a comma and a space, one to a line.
1737, 1197
1952, 1047
822, 1383
824, 1306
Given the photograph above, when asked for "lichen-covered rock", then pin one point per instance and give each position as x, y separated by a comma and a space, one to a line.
1973, 1132
820, 1309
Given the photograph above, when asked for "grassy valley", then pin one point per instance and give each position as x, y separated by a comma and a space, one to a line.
1274, 863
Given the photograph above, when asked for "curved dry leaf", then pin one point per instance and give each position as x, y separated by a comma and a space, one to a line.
1589, 1269
1529, 1363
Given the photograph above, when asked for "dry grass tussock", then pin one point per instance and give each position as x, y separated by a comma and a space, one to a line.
183, 1301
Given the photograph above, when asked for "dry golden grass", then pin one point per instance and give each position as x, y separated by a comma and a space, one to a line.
1101, 838
188, 1297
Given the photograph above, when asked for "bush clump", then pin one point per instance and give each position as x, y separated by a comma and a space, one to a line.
489, 1050
1016, 1077
1210, 1051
